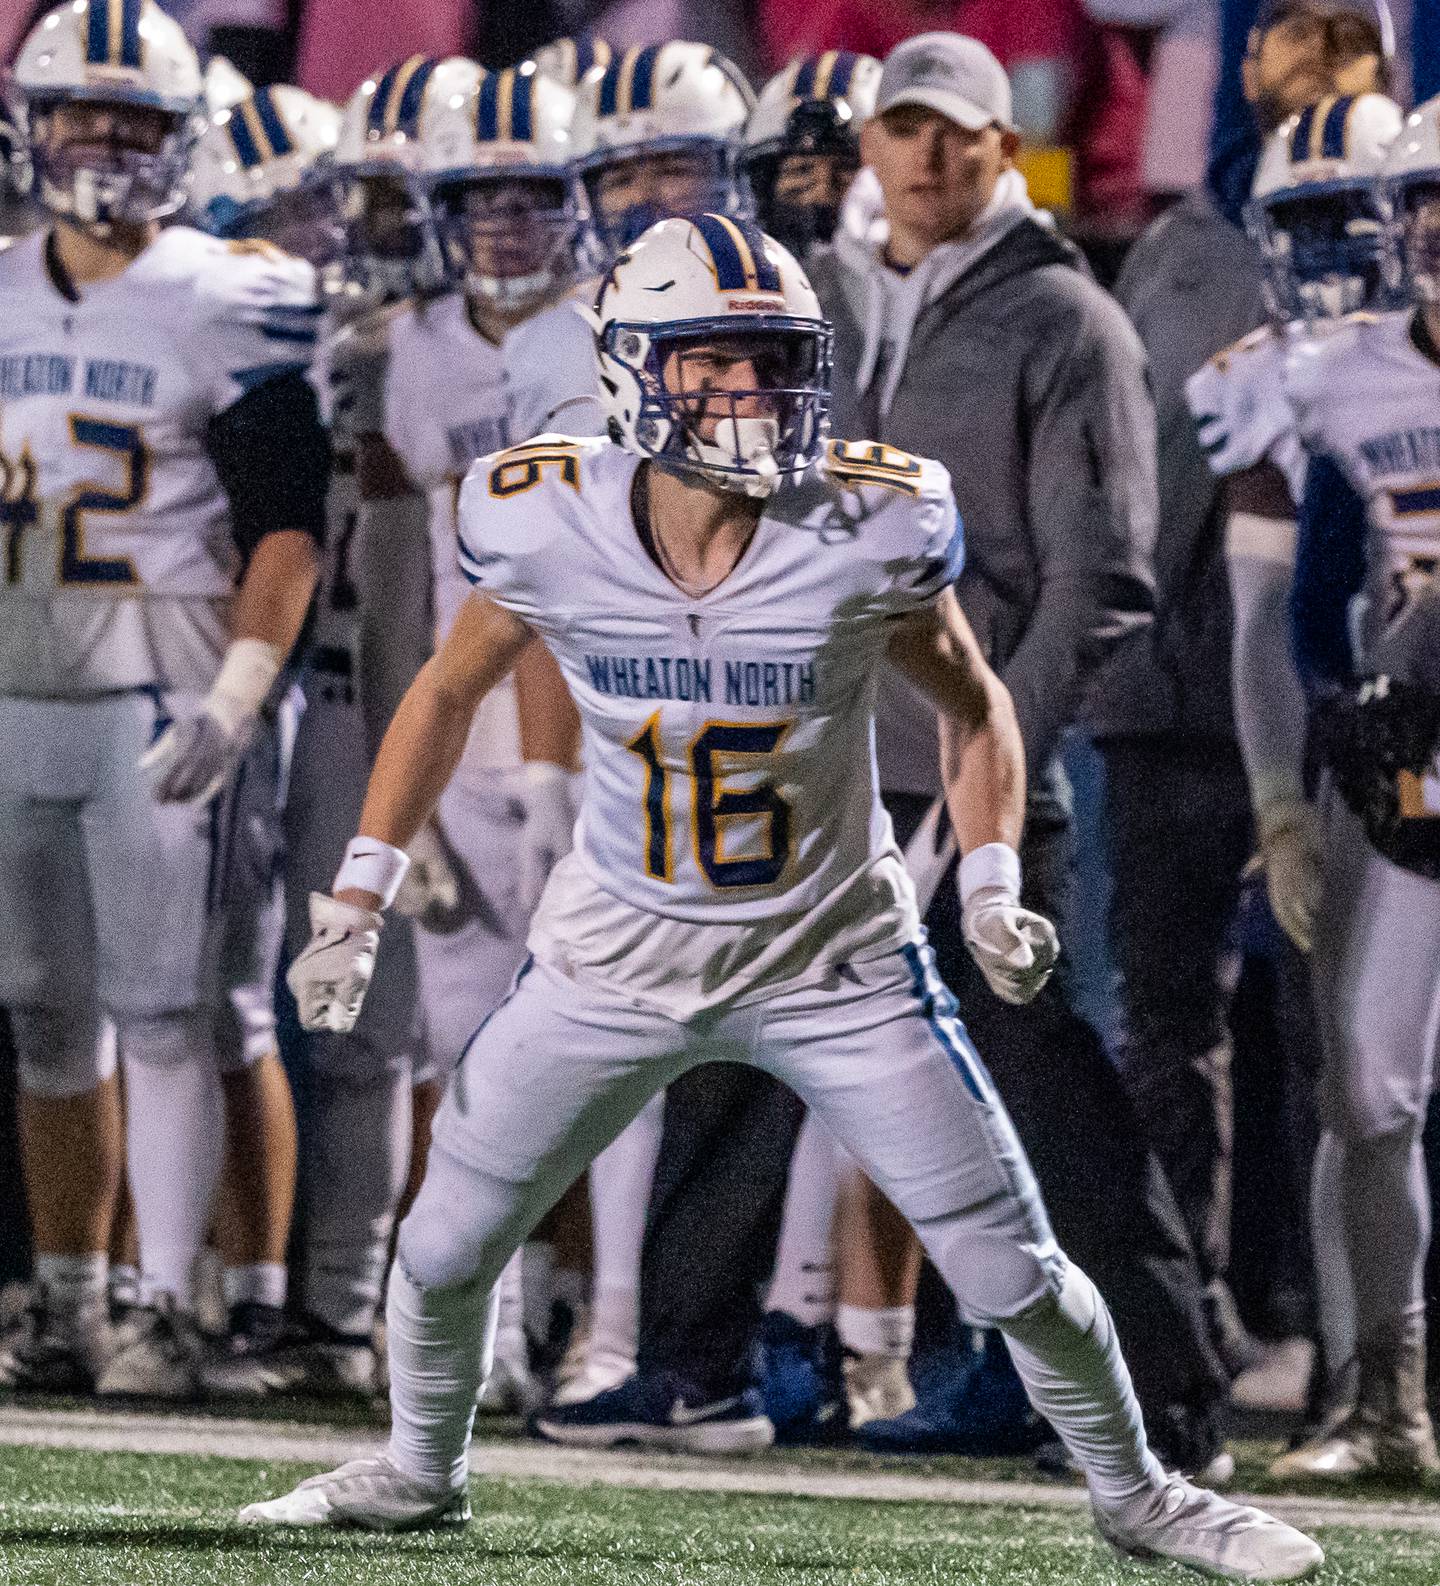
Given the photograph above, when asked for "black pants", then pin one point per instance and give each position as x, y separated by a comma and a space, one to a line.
1178, 830
1110, 1205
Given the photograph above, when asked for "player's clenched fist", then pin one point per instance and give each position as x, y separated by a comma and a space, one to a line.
1015, 948
330, 977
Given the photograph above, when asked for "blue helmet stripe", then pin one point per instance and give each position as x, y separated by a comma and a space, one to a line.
487, 108
805, 78
610, 85
767, 277
642, 86
130, 33
729, 266
407, 118
844, 71
1300, 139
273, 122
243, 139
588, 53
1333, 137
380, 103
738, 250
522, 105
97, 38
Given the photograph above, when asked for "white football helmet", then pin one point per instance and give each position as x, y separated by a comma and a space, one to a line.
1317, 208
1412, 184
714, 357
260, 168
225, 85
572, 62
390, 249
507, 204
809, 116
658, 134
135, 67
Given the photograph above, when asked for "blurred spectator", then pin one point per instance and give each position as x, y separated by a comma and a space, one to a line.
1075, 82
968, 331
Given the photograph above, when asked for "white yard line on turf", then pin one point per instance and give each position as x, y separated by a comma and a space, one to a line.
122, 1432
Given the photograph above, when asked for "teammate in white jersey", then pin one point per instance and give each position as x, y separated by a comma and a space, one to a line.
1367, 404
164, 478
1316, 215
720, 594
513, 222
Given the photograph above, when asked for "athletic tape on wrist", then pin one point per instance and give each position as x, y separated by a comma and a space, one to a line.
246, 676
993, 867
372, 866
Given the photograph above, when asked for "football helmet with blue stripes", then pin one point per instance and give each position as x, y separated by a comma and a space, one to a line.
714, 357
507, 203
657, 134
1412, 185
110, 100
260, 170
1318, 207
802, 144
390, 249
572, 62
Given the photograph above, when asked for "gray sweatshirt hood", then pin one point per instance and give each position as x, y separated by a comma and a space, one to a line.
886, 302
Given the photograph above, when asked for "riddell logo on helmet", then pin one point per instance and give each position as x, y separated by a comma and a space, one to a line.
754, 305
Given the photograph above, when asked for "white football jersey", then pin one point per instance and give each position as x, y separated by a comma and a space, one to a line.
728, 737
451, 396
1369, 399
1242, 413
118, 557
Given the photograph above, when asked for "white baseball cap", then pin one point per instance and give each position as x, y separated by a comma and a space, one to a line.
950, 73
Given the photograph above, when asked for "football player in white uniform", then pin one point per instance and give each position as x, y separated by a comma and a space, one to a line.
1316, 215
720, 592
802, 145
512, 220
164, 480
1366, 402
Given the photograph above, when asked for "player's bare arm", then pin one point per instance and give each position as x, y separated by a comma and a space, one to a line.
982, 762
982, 759
427, 737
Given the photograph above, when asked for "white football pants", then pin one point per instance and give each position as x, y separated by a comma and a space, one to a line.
559, 1069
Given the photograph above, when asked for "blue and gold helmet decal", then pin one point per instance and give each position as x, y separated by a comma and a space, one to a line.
582, 56
1322, 131
505, 107
629, 81
825, 76
258, 131
113, 35
737, 253
399, 98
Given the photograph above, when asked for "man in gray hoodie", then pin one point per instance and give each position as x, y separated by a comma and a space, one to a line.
968, 331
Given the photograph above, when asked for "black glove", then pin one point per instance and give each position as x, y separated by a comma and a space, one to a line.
1378, 740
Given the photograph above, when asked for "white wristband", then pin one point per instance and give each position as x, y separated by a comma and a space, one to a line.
372, 866
993, 867
246, 676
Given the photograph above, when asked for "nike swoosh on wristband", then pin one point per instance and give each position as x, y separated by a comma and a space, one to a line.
682, 1415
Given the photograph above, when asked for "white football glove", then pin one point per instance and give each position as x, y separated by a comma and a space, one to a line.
430, 891
330, 976
191, 760
1015, 948
549, 830
1291, 846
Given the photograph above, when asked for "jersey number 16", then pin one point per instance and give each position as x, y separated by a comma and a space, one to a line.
712, 803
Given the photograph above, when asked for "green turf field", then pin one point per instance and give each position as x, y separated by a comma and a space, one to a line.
83, 1519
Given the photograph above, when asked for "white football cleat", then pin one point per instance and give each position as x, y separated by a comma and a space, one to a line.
370, 1493
1209, 1533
